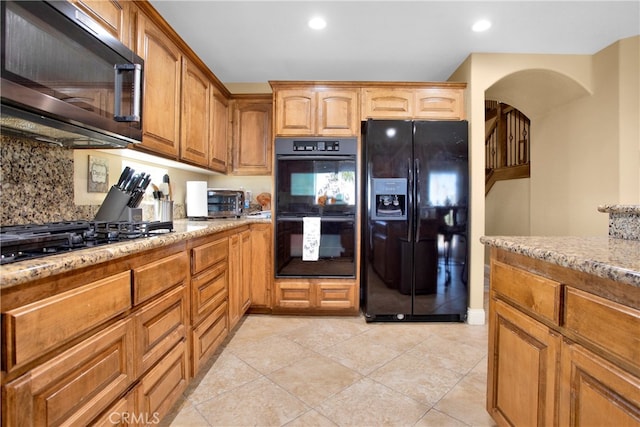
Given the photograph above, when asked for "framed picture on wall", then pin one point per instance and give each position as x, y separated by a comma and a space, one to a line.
98, 176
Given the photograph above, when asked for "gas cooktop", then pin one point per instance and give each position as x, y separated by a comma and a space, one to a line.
23, 242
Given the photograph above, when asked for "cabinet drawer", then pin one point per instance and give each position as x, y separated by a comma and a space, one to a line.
164, 384
206, 255
330, 296
123, 413
32, 330
208, 335
610, 325
76, 386
159, 327
158, 276
531, 292
208, 291
293, 295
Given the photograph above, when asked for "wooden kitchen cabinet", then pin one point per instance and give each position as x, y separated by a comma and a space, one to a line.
261, 261
313, 111
162, 84
195, 114
32, 330
403, 101
522, 368
595, 392
75, 386
252, 121
112, 15
209, 297
163, 385
239, 275
218, 131
294, 295
338, 296
159, 326
159, 275
561, 346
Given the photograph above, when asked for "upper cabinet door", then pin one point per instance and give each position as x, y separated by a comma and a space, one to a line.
112, 15
194, 130
337, 113
252, 137
312, 111
162, 77
436, 103
295, 112
218, 132
439, 104
387, 103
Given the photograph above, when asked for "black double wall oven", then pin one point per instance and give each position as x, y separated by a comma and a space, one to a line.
315, 207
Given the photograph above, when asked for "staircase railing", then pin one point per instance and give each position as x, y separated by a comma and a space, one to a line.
507, 138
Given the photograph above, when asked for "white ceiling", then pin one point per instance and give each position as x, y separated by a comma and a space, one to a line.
258, 41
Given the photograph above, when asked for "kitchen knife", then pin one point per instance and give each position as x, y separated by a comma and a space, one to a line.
135, 182
123, 178
127, 181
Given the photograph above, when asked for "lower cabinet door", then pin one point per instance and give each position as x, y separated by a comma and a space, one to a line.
594, 392
523, 359
163, 385
76, 386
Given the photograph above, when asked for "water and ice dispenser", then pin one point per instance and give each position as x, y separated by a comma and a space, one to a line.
389, 199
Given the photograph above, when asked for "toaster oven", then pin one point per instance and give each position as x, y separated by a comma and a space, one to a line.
223, 203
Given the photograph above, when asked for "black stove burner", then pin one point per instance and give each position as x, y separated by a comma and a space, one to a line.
22, 242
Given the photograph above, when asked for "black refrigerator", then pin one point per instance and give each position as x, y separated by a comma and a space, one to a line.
414, 230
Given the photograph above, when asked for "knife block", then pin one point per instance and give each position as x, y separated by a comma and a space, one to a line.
114, 207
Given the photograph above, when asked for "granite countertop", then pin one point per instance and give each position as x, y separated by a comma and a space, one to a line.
184, 229
607, 257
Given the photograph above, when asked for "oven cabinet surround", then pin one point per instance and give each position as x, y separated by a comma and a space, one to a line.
563, 344
110, 338
252, 140
316, 109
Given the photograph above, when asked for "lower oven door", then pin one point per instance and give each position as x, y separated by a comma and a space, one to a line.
296, 256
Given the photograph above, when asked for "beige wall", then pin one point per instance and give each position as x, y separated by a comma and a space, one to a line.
584, 140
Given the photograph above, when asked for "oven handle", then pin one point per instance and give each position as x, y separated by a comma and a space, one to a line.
315, 157
322, 218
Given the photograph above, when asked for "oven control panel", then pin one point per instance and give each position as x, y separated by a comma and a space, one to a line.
316, 145
310, 146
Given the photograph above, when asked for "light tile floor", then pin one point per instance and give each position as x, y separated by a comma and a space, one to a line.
341, 371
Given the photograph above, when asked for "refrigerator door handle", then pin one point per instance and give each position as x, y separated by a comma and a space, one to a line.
410, 196
417, 187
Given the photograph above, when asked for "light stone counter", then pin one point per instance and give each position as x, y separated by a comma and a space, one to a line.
25, 271
607, 257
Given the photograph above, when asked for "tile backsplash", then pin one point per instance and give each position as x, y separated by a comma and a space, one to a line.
37, 183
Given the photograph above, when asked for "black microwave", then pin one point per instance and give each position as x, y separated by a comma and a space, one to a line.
66, 80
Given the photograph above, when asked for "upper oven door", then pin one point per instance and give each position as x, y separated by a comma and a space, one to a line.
315, 186
58, 64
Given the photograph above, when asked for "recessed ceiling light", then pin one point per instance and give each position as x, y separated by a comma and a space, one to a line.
482, 25
317, 23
